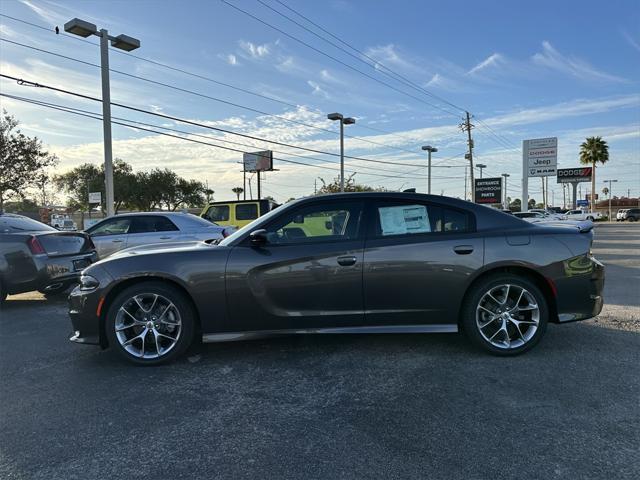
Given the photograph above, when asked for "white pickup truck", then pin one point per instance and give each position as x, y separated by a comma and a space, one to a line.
582, 215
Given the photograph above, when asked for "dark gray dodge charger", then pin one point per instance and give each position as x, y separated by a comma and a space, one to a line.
345, 263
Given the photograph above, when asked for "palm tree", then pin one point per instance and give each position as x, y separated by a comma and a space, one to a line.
238, 191
594, 150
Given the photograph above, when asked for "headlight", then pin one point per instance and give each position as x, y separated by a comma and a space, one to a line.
87, 282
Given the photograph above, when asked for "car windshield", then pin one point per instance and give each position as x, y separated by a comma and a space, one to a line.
250, 226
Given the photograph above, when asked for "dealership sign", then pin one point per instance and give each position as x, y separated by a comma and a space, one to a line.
541, 156
488, 190
258, 161
95, 197
574, 175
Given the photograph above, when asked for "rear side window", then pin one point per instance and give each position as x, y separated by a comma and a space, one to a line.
147, 224
403, 218
247, 211
218, 213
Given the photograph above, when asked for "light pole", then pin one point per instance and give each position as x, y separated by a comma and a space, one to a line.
123, 42
481, 166
506, 206
610, 194
343, 122
431, 150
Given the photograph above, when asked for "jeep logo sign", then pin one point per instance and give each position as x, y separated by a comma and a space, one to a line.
574, 175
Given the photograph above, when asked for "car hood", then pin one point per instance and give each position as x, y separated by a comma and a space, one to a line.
161, 248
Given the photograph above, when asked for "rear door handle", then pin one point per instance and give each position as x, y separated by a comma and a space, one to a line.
347, 260
116, 241
463, 249
165, 238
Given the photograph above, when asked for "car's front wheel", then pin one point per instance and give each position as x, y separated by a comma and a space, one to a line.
150, 323
505, 314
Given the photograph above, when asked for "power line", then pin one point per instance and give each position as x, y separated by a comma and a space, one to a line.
136, 125
202, 95
351, 67
376, 63
190, 122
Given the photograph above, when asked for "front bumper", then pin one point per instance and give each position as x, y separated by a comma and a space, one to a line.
85, 312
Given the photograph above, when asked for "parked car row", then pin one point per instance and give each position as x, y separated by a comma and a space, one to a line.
628, 215
36, 256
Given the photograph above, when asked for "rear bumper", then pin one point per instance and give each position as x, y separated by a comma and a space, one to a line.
580, 291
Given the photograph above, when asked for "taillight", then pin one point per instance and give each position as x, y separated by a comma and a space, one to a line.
35, 246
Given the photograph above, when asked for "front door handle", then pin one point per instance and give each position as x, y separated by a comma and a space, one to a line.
347, 260
165, 238
463, 249
116, 241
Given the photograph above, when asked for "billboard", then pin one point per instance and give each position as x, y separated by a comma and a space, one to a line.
258, 161
488, 190
574, 175
541, 156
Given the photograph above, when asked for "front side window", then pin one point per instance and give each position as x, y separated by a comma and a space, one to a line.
116, 226
218, 213
317, 223
246, 211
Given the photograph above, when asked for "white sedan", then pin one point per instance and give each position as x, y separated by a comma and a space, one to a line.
134, 229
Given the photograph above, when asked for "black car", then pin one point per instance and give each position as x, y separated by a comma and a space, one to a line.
346, 263
631, 215
35, 256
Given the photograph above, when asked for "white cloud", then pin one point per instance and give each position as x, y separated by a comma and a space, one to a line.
232, 59
493, 60
553, 59
6, 31
573, 108
328, 77
44, 13
388, 55
254, 50
317, 89
630, 40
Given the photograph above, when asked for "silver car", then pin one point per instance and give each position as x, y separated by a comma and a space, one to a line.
135, 229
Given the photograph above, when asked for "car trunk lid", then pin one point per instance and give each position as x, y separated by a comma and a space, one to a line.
56, 244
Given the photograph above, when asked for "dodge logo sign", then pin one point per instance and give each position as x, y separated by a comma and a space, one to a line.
574, 175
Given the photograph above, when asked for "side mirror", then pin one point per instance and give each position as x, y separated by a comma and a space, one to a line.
258, 237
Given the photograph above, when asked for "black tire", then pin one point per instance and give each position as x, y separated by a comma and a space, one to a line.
632, 219
183, 307
590, 218
476, 294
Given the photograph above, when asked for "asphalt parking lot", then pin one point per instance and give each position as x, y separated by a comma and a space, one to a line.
329, 407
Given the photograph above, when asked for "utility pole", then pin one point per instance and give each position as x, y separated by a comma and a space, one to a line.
466, 126
465, 182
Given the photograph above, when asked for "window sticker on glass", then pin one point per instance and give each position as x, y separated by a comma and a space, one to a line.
404, 219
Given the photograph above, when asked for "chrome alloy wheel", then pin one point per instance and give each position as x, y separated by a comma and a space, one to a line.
507, 316
148, 325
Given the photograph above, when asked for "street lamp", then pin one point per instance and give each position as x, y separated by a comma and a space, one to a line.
123, 42
610, 194
506, 206
343, 122
481, 166
431, 150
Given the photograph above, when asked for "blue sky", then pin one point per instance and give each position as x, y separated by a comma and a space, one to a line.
524, 70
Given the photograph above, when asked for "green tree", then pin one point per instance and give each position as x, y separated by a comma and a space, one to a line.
238, 191
85, 178
22, 160
594, 150
350, 185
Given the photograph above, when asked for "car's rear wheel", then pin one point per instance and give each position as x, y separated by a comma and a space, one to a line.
631, 219
150, 323
505, 314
